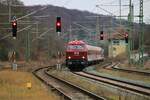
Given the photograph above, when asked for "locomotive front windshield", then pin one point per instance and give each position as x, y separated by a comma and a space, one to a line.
75, 47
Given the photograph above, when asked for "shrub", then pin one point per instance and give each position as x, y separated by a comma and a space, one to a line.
3, 53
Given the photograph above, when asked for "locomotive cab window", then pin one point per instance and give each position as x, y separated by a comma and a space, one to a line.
75, 47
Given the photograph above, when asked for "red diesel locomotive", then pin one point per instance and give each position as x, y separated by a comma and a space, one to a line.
79, 55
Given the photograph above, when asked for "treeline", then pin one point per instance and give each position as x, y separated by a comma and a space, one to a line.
5, 26
73, 23
39, 48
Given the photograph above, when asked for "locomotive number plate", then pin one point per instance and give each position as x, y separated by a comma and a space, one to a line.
76, 53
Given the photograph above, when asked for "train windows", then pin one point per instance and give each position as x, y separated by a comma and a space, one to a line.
75, 47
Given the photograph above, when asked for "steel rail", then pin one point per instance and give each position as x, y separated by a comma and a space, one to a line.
90, 94
95, 96
145, 90
132, 71
113, 66
50, 85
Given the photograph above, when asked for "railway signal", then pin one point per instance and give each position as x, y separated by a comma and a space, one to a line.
126, 37
14, 29
101, 35
58, 24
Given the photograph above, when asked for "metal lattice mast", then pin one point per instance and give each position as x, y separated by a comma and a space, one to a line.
97, 29
70, 33
129, 32
141, 35
132, 20
110, 34
48, 43
9, 8
120, 10
27, 54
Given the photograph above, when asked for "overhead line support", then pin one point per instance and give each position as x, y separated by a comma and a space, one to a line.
141, 35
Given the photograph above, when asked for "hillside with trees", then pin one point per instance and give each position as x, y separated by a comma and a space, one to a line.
75, 25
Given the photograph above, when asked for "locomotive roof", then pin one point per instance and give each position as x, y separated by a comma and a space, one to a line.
76, 42
89, 47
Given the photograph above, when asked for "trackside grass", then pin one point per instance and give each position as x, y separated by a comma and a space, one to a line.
13, 87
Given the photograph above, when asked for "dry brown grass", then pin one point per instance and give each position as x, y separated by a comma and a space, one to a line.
123, 59
120, 58
28, 66
13, 87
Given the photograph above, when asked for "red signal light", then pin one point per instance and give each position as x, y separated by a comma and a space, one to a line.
126, 37
126, 34
14, 29
14, 24
58, 23
101, 35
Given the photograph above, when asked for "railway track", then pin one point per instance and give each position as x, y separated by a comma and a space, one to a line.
114, 67
107, 64
141, 89
132, 71
68, 90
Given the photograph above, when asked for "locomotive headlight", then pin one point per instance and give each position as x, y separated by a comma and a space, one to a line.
83, 57
69, 57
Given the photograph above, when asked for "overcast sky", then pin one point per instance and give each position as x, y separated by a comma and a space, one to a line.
90, 5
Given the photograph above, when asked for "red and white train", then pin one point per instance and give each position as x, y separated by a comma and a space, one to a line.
79, 55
